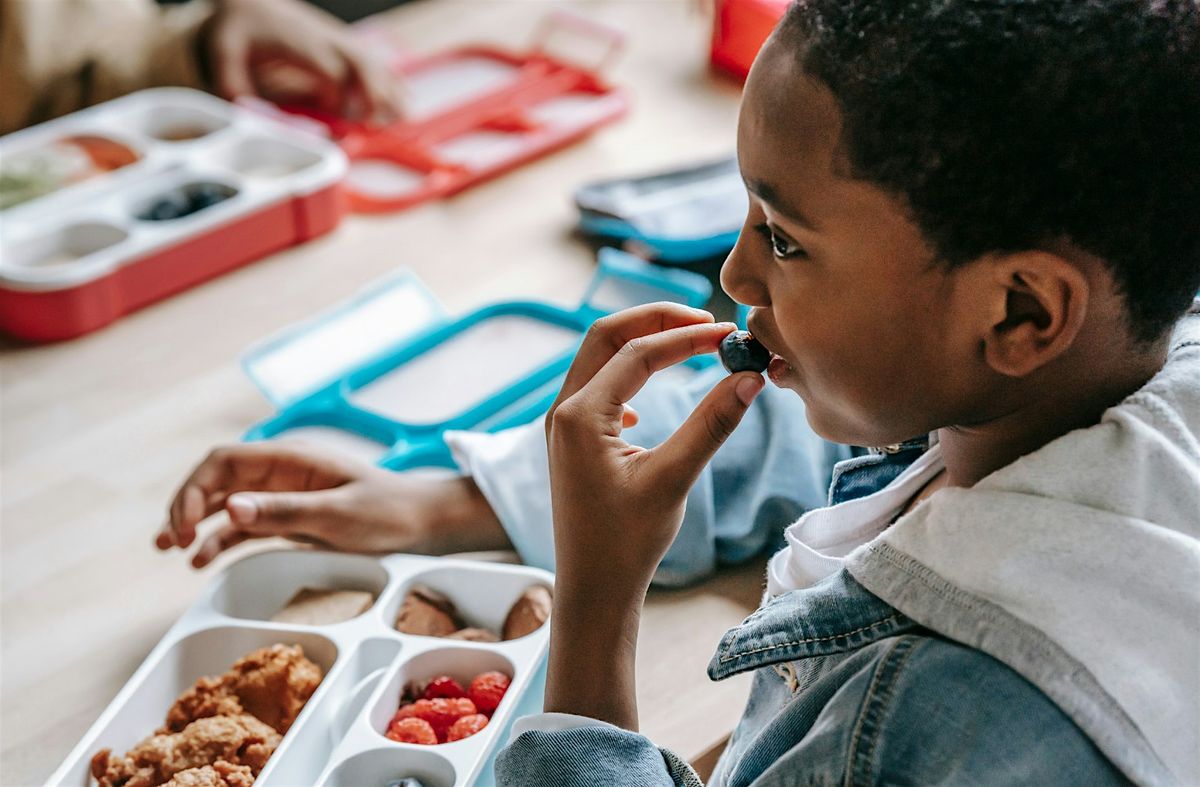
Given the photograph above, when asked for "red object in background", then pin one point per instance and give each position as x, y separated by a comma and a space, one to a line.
462, 132
522, 107
65, 313
739, 29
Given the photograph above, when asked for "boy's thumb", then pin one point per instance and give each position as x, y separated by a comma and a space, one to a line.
710, 424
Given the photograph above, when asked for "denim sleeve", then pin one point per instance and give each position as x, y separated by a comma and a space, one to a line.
588, 756
771, 470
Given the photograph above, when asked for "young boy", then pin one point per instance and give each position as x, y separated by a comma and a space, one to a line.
975, 220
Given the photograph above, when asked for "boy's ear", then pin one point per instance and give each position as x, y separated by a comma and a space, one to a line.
1037, 302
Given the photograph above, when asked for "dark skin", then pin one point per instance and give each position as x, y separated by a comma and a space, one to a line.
999, 357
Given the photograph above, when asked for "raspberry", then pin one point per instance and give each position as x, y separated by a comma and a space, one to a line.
487, 690
443, 686
440, 713
466, 727
411, 730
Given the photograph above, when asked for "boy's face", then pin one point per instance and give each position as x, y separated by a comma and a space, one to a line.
864, 326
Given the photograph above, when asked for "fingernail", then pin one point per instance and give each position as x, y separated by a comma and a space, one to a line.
747, 388
242, 509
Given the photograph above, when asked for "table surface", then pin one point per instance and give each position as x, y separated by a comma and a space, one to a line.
96, 433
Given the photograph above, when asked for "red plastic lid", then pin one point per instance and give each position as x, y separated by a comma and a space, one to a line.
476, 112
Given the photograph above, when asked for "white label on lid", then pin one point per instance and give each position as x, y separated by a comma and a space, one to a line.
465, 370
320, 352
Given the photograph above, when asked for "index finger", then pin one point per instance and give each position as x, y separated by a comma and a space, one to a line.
639, 359
609, 334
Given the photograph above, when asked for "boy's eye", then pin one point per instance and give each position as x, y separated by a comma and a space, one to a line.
781, 247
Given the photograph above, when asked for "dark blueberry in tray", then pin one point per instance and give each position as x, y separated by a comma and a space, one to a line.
741, 352
205, 195
186, 201
169, 206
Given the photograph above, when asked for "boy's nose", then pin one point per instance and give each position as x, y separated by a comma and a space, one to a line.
739, 277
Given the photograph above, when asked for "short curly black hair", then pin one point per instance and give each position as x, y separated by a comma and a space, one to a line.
1008, 124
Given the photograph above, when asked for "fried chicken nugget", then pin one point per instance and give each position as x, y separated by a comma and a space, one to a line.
271, 683
219, 774
238, 740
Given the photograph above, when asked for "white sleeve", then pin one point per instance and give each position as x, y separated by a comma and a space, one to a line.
512, 471
553, 722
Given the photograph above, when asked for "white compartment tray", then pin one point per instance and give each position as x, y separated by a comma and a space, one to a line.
337, 740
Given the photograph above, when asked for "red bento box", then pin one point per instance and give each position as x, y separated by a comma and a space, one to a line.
114, 207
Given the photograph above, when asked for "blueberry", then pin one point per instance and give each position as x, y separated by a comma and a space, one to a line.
741, 352
169, 206
205, 195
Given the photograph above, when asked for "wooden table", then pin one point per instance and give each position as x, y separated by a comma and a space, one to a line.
96, 433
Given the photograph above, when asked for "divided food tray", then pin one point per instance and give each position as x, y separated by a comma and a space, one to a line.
387, 375
197, 186
337, 740
475, 112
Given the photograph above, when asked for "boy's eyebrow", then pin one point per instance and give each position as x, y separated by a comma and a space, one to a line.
767, 193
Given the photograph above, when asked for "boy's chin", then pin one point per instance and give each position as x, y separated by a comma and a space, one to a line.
838, 428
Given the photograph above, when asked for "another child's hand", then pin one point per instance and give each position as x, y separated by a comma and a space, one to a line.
298, 492
291, 52
617, 507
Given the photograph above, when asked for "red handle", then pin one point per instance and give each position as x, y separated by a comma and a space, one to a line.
558, 23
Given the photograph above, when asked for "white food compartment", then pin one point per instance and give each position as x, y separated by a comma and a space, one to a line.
142, 706
482, 594
257, 587
63, 246
382, 767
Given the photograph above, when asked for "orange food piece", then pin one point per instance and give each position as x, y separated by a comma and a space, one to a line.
487, 690
466, 727
411, 730
441, 713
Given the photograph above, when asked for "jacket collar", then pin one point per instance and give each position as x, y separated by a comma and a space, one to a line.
834, 616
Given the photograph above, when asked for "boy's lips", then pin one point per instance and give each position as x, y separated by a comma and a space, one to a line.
778, 369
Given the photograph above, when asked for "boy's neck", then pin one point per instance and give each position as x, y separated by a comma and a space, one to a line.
973, 452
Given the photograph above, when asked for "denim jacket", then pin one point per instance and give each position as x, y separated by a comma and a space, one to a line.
846, 690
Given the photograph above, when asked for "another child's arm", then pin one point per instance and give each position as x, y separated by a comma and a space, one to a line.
245, 39
289, 490
58, 57
617, 507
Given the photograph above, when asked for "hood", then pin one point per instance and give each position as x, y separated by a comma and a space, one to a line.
1079, 566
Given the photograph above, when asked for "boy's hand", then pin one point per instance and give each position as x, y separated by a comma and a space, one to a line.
618, 507
290, 52
295, 491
